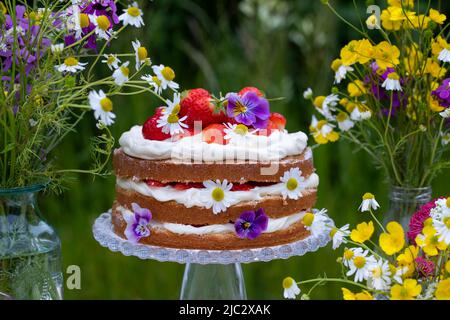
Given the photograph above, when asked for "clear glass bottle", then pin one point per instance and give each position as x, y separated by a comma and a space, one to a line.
30, 249
404, 202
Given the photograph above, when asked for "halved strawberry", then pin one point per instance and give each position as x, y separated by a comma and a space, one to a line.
251, 89
241, 187
149, 129
188, 185
214, 133
187, 133
154, 183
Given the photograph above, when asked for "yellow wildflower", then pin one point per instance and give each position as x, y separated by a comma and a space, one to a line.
343, 102
356, 88
387, 55
429, 241
365, 51
401, 3
348, 295
434, 105
318, 101
447, 266
323, 132
394, 240
443, 290
407, 259
363, 232
437, 17
420, 22
357, 51
407, 291
386, 21
433, 68
438, 45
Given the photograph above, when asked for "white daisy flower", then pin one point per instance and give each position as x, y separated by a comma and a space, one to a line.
174, 105
71, 64
441, 219
132, 16
368, 202
308, 94
102, 107
445, 137
380, 275
217, 195
170, 122
291, 289
360, 112
399, 273
328, 105
349, 254
392, 82
361, 265
121, 74
102, 25
341, 73
339, 235
444, 55
445, 113
293, 184
140, 53
237, 133
316, 223
82, 22
166, 76
112, 61
57, 48
154, 82
344, 121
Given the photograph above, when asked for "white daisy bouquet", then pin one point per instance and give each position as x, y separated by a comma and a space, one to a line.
400, 266
391, 96
49, 54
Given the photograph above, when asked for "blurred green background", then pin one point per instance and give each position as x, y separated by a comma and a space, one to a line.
280, 46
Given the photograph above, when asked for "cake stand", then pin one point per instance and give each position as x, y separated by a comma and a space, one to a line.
209, 274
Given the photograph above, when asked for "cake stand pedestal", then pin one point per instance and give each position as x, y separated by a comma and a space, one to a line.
209, 274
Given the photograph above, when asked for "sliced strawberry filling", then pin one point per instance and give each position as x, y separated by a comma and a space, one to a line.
188, 185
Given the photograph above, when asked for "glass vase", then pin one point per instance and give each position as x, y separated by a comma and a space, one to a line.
30, 249
404, 202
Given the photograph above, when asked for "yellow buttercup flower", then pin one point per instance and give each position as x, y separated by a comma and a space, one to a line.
363, 232
357, 51
438, 45
429, 241
419, 22
387, 22
394, 240
401, 3
348, 295
437, 17
407, 259
399, 14
434, 69
356, 88
434, 105
443, 290
407, 291
386, 55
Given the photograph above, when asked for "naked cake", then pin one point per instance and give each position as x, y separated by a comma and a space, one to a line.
196, 176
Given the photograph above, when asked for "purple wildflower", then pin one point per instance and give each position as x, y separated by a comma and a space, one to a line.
251, 224
250, 109
443, 93
137, 224
425, 267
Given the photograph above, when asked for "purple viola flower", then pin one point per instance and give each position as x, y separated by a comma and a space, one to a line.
138, 223
250, 109
443, 93
251, 224
103, 8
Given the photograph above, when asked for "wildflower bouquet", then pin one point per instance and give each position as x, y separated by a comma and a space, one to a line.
49, 54
391, 97
402, 266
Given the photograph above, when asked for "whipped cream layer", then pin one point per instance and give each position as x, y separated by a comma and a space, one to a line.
199, 197
274, 225
278, 145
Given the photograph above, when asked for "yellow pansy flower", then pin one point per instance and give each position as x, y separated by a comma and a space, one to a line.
348, 295
386, 55
429, 241
437, 17
406, 291
443, 290
394, 240
356, 88
363, 232
401, 3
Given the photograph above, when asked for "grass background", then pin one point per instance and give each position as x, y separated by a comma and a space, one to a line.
280, 46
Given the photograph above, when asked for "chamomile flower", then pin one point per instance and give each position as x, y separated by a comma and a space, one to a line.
344, 121
445, 138
112, 61
322, 131
316, 223
217, 195
132, 16
380, 275
360, 266
170, 122
349, 254
325, 105
308, 94
340, 70
368, 202
445, 113
154, 82
140, 53
236, 133
293, 184
166, 75
444, 55
339, 235
102, 107
71, 64
392, 82
441, 220
102, 25
291, 289
56, 48
121, 74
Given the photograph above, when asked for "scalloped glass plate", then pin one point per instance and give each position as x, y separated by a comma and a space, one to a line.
103, 233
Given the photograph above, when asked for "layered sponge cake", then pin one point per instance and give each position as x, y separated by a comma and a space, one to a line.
232, 185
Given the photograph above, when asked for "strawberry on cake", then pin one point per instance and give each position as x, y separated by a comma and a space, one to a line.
214, 173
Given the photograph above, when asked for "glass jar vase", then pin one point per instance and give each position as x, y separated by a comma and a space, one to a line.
30, 249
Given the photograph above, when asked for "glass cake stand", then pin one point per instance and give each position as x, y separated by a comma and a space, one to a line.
209, 274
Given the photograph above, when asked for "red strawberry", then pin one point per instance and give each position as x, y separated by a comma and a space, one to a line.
188, 185
251, 89
154, 183
187, 133
214, 134
149, 129
241, 187
197, 106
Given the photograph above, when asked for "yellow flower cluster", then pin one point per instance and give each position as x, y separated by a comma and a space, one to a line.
396, 17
